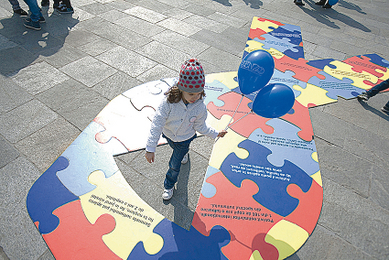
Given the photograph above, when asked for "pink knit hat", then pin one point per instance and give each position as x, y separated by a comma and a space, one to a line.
191, 76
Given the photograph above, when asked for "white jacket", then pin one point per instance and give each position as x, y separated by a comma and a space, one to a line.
178, 122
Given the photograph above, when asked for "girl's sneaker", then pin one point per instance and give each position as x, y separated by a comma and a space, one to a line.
167, 194
66, 10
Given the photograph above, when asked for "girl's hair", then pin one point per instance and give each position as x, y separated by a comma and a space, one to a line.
174, 94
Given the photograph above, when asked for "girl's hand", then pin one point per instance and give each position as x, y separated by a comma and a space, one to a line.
149, 157
222, 133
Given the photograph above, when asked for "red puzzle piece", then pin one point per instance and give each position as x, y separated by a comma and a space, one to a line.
256, 33
76, 237
244, 121
236, 210
301, 119
307, 212
302, 70
364, 64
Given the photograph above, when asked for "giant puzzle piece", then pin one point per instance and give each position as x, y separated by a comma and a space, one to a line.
135, 220
121, 120
84, 150
76, 238
47, 194
242, 216
272, 180
180, 243
285, 144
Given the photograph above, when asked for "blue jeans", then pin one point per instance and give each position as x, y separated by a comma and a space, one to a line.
34, 9
15, 4
377, 88
179, 151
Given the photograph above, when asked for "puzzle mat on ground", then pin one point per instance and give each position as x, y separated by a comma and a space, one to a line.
262, 193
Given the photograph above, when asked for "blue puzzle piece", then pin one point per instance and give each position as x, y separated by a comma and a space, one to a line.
85, 156
213, 90
278, 44
336, 87
291, 27
272, 181
48, 194
293, 36
295, 55
320, 64
180, 243
285, 144
208, 190
376, 59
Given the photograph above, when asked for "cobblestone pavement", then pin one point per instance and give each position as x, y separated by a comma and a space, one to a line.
53, 82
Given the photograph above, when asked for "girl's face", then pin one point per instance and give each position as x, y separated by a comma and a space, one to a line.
190, 97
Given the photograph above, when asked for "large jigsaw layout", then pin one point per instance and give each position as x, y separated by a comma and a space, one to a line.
262, 193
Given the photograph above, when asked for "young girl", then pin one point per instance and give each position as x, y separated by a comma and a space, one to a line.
181, 113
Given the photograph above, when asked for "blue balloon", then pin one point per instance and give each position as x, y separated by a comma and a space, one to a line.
332, 2
274, 100
255, 71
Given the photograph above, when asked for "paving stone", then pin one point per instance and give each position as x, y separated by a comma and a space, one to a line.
177, 13
120, 5
163, 54
61, 57
55, 137
113, 15
180, 27
199, 9
206, 23
345, 168
39, 77
139, 26
219, 41
25, 120
156, 6
5, 43
145, 14
224, 60
182, 43
115, 85
95, 8
7, 152
17, 240
127, 61
156, 73
80, 37
336, 248
88, 70
11, 95
75, 102
15, 59
227, 19
98, 46
114, 33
